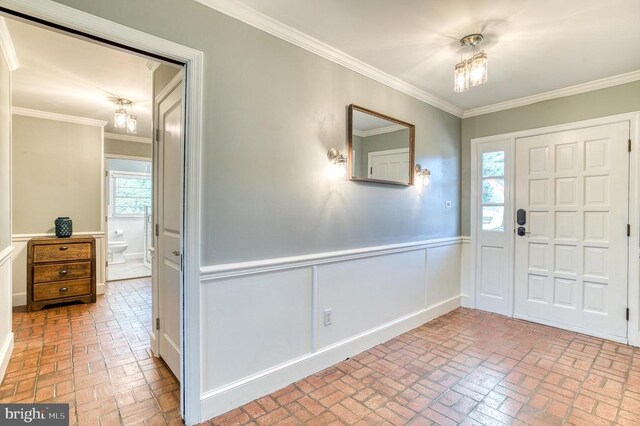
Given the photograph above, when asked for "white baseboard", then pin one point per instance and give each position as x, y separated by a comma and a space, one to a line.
221, 400
19, 299
100, 288
5, 354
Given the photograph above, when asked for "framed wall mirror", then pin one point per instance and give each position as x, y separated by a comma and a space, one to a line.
381, 148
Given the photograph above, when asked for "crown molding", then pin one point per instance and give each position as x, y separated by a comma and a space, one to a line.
379, 130
7, 46
128, 138
57, 117
276, 28
602, 83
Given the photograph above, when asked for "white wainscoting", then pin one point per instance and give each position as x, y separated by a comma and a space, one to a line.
19, 257
6, 335
263, 321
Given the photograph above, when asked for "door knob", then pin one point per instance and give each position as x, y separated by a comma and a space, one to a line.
522, 232
176, 253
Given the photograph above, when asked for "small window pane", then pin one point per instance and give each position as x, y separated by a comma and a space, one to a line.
493, 163
131, 194
493, 191
493, 218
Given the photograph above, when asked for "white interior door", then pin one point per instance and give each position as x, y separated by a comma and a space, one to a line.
169, 211
493, 235
392, 164
571, 266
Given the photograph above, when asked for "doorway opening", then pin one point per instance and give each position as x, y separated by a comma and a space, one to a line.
74, 158
129, 228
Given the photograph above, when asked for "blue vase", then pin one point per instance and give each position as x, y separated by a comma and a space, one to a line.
64, 227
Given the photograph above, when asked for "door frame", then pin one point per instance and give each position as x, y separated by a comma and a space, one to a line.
105, 200
67, 17
633, 262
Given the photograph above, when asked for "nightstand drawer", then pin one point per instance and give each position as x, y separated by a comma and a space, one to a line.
61, 271
61, 289
57, 252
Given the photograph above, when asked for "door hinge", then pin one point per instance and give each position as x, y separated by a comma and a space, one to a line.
106, 264
628, 230
106, 218
629, 144
157, 323
106, 173
627, 314
371, 170
157, 230
181, 263
157, 135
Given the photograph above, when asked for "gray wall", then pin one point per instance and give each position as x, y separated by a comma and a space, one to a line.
135, 149
5, 155
599, 103
56, 172
271, 111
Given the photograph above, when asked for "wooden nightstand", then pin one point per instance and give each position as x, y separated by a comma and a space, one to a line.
60, 270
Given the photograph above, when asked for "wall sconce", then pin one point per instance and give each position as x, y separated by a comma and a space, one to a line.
423, 176
338, 163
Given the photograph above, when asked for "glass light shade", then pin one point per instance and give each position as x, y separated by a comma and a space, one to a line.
478, 69
460, 78
426, 180
132, 124
120, 118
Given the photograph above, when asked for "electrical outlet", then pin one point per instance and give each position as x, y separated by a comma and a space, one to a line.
447, 204
328, 317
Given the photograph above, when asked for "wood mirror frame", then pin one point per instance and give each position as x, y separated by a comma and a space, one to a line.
410, 143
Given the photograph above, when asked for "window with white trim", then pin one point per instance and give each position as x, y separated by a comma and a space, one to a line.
130, 193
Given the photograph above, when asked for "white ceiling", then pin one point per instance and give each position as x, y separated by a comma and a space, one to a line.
66, 75
534, 46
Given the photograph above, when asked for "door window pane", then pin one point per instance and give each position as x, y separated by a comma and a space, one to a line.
493, 218
493, 191
493, 164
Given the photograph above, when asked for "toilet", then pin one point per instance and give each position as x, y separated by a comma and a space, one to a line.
116, 251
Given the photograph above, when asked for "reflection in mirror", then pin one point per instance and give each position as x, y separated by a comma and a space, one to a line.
381, 148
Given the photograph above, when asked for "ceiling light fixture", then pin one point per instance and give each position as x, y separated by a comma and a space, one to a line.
122, 118
473, 71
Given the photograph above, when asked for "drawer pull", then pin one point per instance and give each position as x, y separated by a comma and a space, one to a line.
64, 289
63, 272
63, 248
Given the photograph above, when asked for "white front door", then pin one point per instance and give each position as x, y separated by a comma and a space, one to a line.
169, 247
571, 261
493, 231
392, 164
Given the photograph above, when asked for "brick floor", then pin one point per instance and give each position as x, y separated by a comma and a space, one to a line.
96, 358
467, 367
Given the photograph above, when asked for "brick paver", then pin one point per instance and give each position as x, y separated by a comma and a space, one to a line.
467, 367
96, 358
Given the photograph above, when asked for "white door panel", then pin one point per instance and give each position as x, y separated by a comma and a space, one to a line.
571, 268
169, 117
493, 231
392, 165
